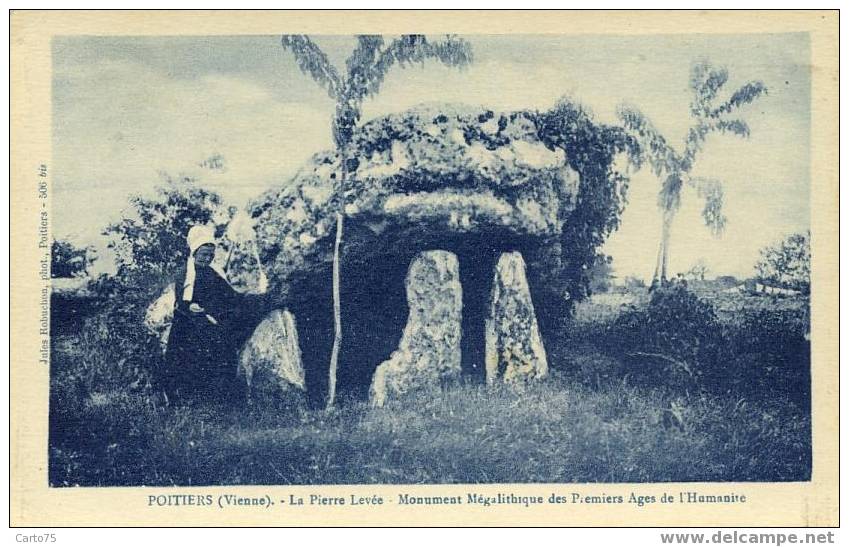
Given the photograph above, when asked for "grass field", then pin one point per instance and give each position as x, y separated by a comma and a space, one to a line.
594, 419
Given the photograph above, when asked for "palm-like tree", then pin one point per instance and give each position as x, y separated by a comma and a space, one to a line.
673, 167
366, 70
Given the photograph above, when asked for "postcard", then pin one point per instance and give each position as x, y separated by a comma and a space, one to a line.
431, 268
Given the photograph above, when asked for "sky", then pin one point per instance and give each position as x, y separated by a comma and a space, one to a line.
126, 109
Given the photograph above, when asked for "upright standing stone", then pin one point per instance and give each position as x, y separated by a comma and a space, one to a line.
271, 358
160, 314
514, 349
429, 351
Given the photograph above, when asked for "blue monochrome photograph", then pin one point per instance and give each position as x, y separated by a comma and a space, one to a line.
430, 259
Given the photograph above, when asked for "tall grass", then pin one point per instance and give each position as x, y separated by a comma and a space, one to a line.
594, 419
555, 431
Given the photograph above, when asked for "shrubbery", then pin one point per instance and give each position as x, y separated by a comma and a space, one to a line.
110, 353
679, 342
769, 353
787, 264
676, 339
68, 260
101, 392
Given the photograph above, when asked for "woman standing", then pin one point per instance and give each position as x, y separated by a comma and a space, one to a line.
211, 322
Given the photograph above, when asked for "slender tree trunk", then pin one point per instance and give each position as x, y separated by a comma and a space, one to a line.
660, 268
337, 301
667, 226
656, 277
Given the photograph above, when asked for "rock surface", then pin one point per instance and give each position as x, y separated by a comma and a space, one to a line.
238, 256
159, 315
446, 169
429, 351
271, 358
514, 349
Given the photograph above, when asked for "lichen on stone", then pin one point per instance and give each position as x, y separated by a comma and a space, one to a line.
458, 168
514, 347
271, 359
429, 351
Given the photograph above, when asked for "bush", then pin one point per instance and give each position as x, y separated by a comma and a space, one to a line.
787, 264
68, 260
675, 340
770, 354
111, 352
149, 242
757, 349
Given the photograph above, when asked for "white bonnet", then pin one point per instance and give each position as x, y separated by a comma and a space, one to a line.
200, 235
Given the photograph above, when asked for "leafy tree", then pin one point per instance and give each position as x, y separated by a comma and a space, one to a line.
365, 72
601, 274
727, 281
698, 271
634, 283
787, 264
67, 260
150, 245
674, 167
590, 149
215, 162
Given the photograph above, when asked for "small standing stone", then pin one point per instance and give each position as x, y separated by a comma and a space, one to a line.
429, 351
160, 314
271, 358
514, 349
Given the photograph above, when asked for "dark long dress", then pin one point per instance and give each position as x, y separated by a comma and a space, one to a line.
201, 356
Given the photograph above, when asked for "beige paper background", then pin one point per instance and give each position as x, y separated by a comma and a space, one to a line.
33, 503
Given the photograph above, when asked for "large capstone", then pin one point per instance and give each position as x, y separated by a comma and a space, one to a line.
429, 352
271, 359
427, 172
514, 349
